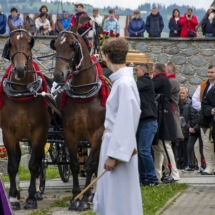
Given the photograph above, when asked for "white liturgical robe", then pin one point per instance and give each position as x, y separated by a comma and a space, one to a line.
118, 191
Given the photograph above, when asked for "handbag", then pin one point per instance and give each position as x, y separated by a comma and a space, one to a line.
191, 33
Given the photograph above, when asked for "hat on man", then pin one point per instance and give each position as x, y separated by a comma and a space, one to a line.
65, 11
79, 4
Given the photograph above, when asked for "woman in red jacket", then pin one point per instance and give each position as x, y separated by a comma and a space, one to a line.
188, 22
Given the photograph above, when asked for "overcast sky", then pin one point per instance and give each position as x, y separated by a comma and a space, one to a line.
134, 3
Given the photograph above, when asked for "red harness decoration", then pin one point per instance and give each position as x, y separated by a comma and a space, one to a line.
8, 74
104, 91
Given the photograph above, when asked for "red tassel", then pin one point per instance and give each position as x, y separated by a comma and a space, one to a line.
173, 108
170, 166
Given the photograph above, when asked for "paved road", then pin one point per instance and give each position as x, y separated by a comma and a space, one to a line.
196, 200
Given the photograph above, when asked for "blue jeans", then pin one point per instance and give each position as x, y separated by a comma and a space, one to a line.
209, 35
145, 135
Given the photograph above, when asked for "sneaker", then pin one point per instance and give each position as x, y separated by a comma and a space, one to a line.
169, 180
188, 169
165, 175
147, 183
200, 170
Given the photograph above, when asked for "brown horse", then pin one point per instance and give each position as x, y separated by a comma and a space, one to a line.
27, 119
80, 120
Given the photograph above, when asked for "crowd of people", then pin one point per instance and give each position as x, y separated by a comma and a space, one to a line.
181, 134
166, 120
179, 25
43, 24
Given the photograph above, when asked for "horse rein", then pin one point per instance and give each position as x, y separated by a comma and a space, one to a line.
20, 52
70, 60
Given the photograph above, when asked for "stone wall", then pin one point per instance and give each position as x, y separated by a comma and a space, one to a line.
191, 56
41, 48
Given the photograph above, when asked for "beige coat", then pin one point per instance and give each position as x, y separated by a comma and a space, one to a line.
39, 22
175, 100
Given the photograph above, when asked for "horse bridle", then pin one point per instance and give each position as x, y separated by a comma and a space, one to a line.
20, 52
71, 60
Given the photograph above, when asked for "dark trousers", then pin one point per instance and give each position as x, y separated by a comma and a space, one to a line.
145, 134
190, 149
185, 155
180, 153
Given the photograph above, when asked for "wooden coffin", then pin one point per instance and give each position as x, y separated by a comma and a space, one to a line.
135, 57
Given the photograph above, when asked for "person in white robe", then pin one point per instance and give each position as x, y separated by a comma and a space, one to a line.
118, 190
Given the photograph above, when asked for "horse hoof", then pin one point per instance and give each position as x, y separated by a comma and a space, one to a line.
15, 206
84, 206
30, 204
38, 196
74, 205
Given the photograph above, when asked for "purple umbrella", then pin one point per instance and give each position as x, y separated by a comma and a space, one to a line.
4, 203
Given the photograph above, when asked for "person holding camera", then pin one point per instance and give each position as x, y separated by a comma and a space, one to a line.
188, 24
208, 23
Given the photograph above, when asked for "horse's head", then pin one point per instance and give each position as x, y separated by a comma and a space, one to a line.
20, 44
70, 50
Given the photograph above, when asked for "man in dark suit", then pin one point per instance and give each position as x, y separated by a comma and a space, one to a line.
147, 126
167, 129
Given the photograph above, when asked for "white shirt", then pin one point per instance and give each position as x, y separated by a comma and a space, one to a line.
118, 191
98, 19
196, 98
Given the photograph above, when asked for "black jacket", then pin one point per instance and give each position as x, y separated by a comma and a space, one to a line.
147, 97
204, 22
192, 120
167, 128
174, 26
208, 103
154, 25
185, 113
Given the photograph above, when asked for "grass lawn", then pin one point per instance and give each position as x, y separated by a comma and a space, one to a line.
24, 174
155, 197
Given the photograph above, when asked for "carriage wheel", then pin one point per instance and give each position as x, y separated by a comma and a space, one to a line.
64, 169
42, 178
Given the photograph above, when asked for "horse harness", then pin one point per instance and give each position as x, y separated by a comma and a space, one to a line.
68, 87
32, 87
21, 52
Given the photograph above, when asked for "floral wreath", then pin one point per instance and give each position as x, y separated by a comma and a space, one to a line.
105, 35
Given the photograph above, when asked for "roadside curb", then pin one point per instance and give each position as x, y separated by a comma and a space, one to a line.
168, 203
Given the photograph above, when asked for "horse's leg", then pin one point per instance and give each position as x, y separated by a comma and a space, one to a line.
72, 144
37, 144
38, 194
91, 167
14, 156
